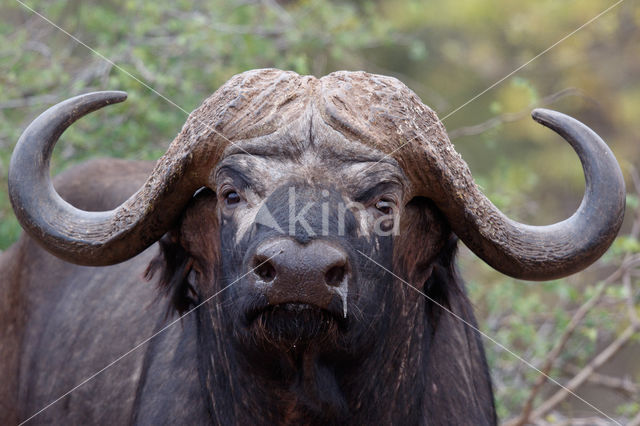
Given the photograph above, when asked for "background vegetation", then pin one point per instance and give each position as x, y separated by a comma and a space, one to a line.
582, 329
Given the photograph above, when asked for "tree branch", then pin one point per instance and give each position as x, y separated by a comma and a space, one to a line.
28, 101
584, 374
514, 116
624, 385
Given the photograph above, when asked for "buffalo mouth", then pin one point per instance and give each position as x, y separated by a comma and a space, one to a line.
295, 321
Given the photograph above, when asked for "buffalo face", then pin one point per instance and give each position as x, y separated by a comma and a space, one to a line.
305, 243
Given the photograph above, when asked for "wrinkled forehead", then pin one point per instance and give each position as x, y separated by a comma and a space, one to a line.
340, 119
309, 149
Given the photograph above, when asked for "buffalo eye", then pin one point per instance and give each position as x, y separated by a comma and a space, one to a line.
385, 206
231, 198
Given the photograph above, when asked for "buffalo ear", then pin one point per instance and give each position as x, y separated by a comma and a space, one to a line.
443, 284
423, 234
174, 265
199, 230
189, 250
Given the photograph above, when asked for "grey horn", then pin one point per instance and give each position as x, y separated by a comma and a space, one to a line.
549, 252
91, 238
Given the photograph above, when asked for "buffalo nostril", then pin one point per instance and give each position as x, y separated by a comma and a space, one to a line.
264, 269
335, 275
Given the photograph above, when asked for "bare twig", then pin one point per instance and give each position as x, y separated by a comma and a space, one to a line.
38, 46
28, 101
631, 308
584, 374
247, 29
624, 385
635, 178
97, 70
142, 69
281, 12
589, 421
222, 27
514, 116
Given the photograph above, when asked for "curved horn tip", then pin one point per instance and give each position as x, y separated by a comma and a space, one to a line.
544, 115
109, 96
121, 95
91, 101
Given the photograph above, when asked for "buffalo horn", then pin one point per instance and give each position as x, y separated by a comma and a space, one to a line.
91, 238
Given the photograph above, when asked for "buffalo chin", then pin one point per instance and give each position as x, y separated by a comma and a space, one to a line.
294, 324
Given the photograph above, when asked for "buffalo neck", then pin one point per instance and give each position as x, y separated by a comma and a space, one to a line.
308, 383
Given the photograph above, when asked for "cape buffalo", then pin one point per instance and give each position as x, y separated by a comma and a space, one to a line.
311, 223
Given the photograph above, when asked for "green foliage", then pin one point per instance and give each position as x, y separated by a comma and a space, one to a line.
624, 244
629, 410
529, 319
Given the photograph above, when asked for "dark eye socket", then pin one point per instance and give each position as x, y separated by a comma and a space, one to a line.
231, 198
385, 206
